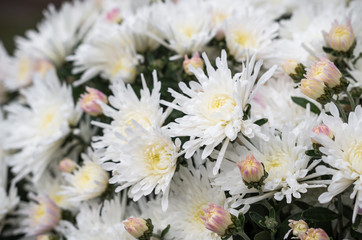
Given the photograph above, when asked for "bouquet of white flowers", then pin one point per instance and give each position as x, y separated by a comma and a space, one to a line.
188, 119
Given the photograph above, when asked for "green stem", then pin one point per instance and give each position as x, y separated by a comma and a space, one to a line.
340, 109
243, 235
340, 216
350, 98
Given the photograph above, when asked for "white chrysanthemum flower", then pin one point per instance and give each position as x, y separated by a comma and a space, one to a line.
185, 31
343, 154
147, 162
97, 221
38, 130
284, 160
38, 216
192, 193
59, 32
215, 105
112, 56
252, 32
146, 111
275, 96
87, 181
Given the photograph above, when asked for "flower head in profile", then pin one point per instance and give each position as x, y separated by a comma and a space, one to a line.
38, 216
216, 219
340, 36
87, 181
214, 106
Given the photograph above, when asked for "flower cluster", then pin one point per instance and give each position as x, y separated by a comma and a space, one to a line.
184, 119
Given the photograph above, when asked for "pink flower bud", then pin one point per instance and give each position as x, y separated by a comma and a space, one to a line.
312, 88
322, 129
195, 61
88, 101
325, 71
340, 36
298, 227
314, 234
251, 169
136, 226
114, 16
67, 165
216, 219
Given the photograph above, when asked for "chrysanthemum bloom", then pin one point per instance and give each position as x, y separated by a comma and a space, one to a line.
87, 181
314, 234
214, 106
112, 56
284, 160
97, 221
88, 101
38, 216
185, 31
343, 154
192, 192
340, 37
216, 219
138, 227
252, 32
39, 128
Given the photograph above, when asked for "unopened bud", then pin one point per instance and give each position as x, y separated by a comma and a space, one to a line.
139, 228
315, 89
298, 227
67, 165
216, 219
195, 62
340, 37
114, 16
322, 129
325, 71
251, 169
88, 101
314, 234
294, 69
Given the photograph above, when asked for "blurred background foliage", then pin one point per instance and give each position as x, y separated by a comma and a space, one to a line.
17, 16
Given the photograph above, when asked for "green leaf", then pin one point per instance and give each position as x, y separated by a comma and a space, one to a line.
319, 214
261, 121
258, 219
303, 103
264, 235
241, 218
165, 231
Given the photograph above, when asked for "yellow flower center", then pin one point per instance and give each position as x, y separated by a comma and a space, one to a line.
340, 32
244, 39
220, 101
354, 157
197, 213
277, 165
188, 31
158, 157
121, 64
